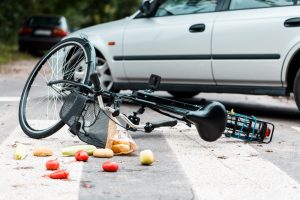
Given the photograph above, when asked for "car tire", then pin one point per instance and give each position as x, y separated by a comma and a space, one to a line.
183, 94
105, 76
297, 89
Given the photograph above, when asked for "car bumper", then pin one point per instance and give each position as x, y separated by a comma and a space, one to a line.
37, 44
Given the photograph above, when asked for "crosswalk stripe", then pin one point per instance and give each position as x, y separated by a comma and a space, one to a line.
24, 179
228, 168
9, 99
297, 128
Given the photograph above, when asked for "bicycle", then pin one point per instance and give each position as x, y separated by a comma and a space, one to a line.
64, 88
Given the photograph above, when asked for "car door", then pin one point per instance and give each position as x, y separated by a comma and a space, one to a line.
175, 43
250, 42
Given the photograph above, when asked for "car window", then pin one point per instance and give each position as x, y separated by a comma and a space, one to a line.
242, 4
183, 7
44, 21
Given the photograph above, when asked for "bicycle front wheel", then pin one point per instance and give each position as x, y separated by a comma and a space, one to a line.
72, 59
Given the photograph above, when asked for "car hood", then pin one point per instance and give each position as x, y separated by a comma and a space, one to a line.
107, 27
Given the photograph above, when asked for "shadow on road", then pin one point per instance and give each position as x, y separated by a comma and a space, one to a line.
262, 110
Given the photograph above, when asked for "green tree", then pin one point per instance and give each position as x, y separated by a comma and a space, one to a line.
79, 13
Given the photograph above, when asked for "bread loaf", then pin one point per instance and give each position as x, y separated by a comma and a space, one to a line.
120, 148
116, 142
42, 151
103, 153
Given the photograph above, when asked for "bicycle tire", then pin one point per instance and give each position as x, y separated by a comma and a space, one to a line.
35, 127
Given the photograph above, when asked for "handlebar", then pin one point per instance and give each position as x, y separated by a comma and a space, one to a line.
71, 83
95, 80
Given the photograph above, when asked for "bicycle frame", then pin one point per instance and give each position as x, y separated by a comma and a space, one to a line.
138, 98
211, 119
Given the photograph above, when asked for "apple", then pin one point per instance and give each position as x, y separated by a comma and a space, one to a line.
146, 157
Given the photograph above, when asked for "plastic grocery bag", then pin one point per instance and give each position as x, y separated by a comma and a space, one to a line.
119, 140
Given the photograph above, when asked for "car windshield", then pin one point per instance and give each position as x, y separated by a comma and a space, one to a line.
44, 21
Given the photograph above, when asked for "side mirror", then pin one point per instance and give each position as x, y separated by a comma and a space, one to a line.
145, 8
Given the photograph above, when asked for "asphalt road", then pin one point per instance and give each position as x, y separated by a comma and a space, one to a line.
186, 167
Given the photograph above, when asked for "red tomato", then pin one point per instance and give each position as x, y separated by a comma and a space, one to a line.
82, 156
109, 166
52, 165
59, 174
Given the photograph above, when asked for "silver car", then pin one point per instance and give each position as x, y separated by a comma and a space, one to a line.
232, 46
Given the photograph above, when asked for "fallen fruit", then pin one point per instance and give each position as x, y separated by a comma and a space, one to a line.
42, 152
59, 174
20, 152
146, 157
81, 156
71, 151
103, 153
109, 166
52, 165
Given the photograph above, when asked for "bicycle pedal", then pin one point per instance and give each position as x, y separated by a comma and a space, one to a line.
134, 119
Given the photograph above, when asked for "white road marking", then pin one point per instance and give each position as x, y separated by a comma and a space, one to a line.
297, 128
24, 179
228, 168
9, 99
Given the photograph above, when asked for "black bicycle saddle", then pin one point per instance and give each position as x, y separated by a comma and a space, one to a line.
210, 121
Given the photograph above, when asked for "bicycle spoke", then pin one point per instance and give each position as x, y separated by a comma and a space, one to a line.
44, 102
41, 102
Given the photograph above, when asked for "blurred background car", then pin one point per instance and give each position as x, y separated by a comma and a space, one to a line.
40, 33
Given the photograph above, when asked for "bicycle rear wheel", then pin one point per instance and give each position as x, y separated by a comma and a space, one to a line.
72, 59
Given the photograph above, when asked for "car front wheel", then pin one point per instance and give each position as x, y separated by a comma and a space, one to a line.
105, 77
297, 89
